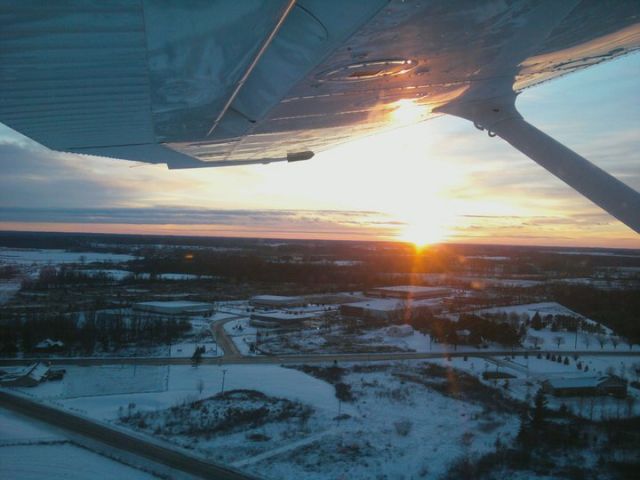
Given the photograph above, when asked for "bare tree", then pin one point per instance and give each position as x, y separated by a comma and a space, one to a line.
615, 340
535, 341
631, 400
558, 340
602, 340
586, 340
628, 342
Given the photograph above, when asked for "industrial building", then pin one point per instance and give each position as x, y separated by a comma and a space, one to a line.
390, 308
174, 307
409, 292
586, 386
276, 301
281, 319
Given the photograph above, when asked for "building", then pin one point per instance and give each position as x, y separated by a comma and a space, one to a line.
276, 301
174, 307
409, 292
49, 345
586, 386
390, 309
281, 319
399, 331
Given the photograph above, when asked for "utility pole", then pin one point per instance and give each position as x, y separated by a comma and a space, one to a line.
224, 373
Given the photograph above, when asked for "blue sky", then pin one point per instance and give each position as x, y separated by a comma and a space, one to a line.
371, 189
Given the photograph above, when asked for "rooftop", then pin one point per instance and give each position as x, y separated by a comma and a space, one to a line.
174, 304
391, 304
411, 289
577, 382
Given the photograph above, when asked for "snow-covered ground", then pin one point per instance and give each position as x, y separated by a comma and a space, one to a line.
100, 391
18, 256
393, 427
30, 451
530, 372
401, 429
562, 340
543, 308
186, 349
8, 288
242, 334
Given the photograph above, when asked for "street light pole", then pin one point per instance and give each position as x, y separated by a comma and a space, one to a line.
224, 373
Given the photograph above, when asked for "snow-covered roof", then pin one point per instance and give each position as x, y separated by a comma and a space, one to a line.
174, 304
38, 372
284, 316
577, 382
48, 343
391, 304
411, 289
273, 298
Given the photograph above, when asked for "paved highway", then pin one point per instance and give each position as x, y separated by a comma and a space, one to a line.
306, 358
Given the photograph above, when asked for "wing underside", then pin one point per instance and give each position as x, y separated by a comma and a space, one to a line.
194, 84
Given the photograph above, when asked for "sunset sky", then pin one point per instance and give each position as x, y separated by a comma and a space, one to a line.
441, 180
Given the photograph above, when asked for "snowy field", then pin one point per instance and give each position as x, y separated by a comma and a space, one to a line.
394, 426
242, 334
405, 420
151, 388
30, 451
16, 256
8, 288
401, 429
187, 349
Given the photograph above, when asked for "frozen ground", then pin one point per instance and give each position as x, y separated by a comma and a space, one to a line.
393, 427
186, 349
85, 389
529, 374
17, 256
29, 451
242, 334
8, 288
405, 421
402, 429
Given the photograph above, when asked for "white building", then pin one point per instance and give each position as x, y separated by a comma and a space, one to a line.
390, 308
276, 301
281, 319
409, 292
174, 307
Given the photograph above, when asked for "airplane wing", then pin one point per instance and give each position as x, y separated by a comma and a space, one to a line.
216, 83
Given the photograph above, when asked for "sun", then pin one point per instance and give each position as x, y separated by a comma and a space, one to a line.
424, 233
425, 227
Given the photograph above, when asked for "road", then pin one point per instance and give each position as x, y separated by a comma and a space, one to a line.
306, 358
222, 339
120, 440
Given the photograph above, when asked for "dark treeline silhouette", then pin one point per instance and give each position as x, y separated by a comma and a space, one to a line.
617, 309
88, 334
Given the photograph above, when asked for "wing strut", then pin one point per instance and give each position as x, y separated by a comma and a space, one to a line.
500, 117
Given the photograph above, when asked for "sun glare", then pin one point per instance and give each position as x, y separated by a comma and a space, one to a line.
424, 234
407, 112
426, 228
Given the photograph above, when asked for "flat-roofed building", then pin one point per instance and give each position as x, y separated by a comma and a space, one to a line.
409, 292
174, 307
281, 319
390, 308
586, 386
276, 301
